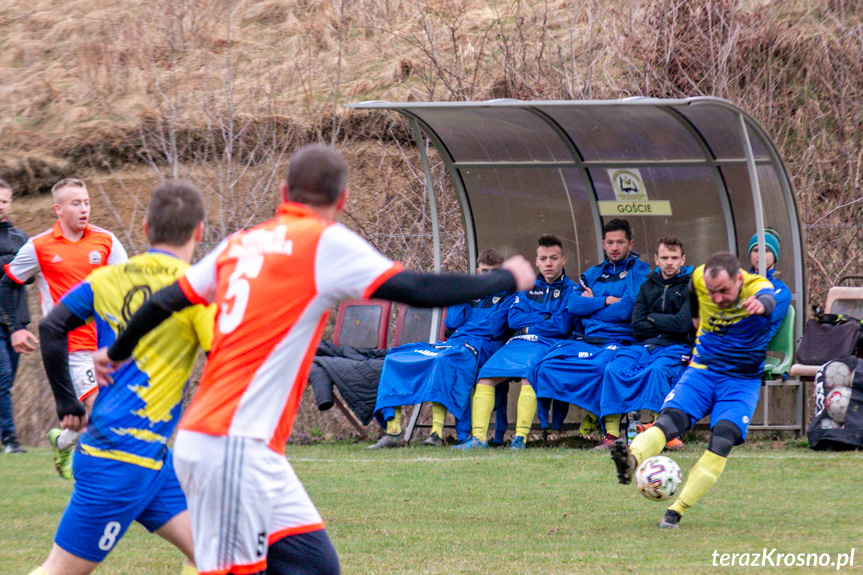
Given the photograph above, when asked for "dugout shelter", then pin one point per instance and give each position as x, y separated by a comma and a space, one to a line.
700, 168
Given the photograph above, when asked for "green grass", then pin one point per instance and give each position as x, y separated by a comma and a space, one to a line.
423, 510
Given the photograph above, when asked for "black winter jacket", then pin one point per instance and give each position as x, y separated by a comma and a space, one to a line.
11, 240
662, 314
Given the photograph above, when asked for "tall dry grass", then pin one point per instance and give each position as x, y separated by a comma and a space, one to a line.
128, 92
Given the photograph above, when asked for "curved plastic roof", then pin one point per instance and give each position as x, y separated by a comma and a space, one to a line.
700, 169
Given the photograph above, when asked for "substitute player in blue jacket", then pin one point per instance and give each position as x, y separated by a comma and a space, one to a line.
771, 256
722, 380
538, 316
122, 467
572, 371
444, 372
641, 375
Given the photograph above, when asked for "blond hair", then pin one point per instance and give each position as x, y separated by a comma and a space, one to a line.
66, 183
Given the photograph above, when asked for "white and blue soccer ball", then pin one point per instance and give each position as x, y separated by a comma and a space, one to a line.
836, 404
658, 478
836, 374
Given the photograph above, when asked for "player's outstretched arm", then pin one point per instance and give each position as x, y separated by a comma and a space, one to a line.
421, 289
153, 312
761, 303
54, 331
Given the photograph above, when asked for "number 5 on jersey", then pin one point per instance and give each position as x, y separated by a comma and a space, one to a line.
238, 290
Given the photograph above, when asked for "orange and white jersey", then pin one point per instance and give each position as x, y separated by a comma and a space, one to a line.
274, 286
60, 264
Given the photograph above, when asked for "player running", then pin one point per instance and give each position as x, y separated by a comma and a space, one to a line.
60, 258
723, 378
274, 286
123, 467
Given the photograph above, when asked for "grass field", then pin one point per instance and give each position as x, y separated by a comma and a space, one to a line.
424, 510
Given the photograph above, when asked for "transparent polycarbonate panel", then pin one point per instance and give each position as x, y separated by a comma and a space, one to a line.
720, 127
759, 146
776, 216
742, 208
626, 133
495, 135
416, 326
360, 326
697, 215
512, 207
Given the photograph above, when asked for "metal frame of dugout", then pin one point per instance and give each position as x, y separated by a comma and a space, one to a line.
698, 168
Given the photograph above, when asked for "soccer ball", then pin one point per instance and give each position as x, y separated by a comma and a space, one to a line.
837, 374
658, 478
836, 404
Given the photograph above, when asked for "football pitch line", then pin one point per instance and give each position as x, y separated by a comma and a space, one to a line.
436, 460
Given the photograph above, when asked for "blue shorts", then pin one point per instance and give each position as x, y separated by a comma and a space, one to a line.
518, 357
109, 495
572, 372
701, 391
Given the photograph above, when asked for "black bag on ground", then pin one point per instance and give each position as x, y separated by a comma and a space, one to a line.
825, 434
829, 337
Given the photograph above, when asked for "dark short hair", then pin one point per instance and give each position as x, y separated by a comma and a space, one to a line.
721, 261
618, 225
175, 210
317, 176
549, 240
4, 185
490, 257
670, 242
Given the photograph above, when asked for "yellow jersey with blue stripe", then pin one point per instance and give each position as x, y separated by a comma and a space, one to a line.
132, 419
731, 341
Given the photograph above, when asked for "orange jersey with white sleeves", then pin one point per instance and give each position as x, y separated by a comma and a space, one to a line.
273, 286
60, 264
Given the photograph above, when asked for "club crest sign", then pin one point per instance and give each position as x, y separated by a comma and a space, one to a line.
630, 196
627, 184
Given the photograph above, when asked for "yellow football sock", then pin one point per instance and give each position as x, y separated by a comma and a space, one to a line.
394, 425
438, 417
38, 571
702, 477
188, 570
612, 424
588, 424
483, 405
648, 444
525, 411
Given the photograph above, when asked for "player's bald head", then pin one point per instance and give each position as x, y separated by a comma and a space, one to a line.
317, 176
721, 262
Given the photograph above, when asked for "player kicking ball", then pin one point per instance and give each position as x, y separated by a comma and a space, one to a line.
722, 380
123, 468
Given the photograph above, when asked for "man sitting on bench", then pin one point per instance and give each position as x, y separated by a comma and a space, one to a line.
572, 371
444, 372
771, 255
640, 376
539, 316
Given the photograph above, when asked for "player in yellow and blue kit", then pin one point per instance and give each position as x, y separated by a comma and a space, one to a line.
723, 379
122, 466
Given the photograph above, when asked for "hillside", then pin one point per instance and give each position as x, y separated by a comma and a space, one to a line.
125, 92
